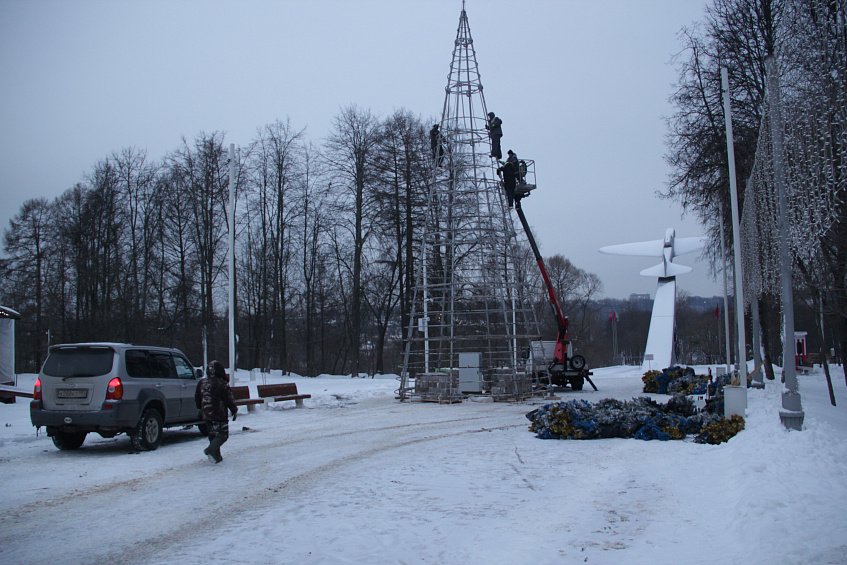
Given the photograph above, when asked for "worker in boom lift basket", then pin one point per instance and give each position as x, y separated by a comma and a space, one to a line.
509, 173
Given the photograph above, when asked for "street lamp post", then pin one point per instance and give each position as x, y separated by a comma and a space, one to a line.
232, 262
735, 396
791, 413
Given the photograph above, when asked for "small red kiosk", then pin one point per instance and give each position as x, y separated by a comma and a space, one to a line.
801, 356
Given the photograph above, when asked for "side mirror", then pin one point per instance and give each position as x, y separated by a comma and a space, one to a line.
198, 373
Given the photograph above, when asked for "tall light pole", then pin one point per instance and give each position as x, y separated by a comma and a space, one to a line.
758, 379
791, 413
725, 299
735, 397
232, 262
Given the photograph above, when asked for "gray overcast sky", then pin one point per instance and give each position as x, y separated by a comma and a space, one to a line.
582, 87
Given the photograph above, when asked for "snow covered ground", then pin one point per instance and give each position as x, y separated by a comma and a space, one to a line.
357, 477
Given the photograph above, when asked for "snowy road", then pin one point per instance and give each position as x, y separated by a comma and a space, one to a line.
360, 478
167, 498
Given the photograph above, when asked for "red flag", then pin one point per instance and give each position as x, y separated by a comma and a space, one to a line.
718, 312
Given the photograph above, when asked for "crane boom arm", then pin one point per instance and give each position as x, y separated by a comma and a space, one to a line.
551, 291
565, 367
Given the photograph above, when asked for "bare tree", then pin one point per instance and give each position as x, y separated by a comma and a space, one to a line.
204, 180
138, 208
179, 299
313, 228
26, 243
350, 153
403, 168
737, 34
273, 211
99, 273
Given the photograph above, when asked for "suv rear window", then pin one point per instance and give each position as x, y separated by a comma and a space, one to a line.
79, 362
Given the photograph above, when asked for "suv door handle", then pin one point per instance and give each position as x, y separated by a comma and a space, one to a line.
160, 385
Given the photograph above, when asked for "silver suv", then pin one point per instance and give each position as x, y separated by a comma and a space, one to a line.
113, 388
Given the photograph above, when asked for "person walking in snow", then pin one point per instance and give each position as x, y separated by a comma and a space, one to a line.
509, 173
213, 397
495, 132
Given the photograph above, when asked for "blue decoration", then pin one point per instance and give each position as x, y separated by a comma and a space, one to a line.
640, 418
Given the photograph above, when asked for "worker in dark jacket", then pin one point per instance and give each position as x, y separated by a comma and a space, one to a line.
213, 397
509, 174
437, 145
495, 132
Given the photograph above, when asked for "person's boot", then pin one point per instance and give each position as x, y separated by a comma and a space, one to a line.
207, 452
214, 449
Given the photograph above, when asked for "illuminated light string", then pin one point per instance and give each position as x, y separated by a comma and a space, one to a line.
815, 122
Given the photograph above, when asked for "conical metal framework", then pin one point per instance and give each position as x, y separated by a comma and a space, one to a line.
471, 295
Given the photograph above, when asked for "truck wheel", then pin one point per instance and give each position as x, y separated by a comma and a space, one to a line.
578, 362
577, 382
67, 441
147, 434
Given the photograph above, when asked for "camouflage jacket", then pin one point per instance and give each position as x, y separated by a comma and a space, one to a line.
213, 396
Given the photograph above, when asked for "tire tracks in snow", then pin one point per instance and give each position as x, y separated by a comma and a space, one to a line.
136, 483
266, 497
166, 507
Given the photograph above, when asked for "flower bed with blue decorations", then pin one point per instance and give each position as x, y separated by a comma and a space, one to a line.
640, 418
683, 380
675, 380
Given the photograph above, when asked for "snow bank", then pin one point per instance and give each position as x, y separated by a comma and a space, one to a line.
357, 477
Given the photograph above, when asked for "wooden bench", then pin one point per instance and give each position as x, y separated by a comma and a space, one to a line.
8, 394
281, 392
241, 394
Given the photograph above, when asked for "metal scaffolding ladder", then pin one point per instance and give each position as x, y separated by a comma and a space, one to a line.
472, 302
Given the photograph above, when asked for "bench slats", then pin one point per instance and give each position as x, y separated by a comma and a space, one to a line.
241, 394
273, 392
281, 392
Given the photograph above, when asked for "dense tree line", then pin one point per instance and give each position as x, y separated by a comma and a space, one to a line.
326, 239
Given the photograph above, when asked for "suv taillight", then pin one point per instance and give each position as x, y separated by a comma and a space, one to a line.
115, 390
36, 393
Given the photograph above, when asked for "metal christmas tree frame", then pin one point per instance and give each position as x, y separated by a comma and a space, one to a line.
472, 320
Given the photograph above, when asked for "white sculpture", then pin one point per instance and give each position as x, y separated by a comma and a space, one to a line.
659, 352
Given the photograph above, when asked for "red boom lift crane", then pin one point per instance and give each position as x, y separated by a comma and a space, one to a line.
566, 368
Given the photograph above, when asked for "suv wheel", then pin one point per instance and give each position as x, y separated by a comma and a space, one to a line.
147, 434
68, 440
